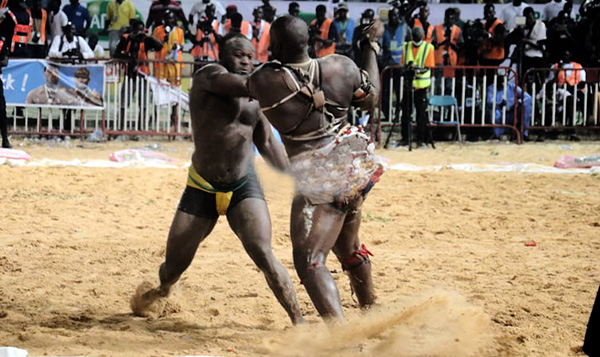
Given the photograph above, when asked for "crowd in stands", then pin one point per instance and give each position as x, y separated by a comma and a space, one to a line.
507, 31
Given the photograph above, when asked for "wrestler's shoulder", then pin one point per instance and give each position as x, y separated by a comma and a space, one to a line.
209, 69
338, 61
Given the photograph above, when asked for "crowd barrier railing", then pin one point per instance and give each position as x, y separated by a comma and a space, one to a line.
474, 87
568, 103
152, 102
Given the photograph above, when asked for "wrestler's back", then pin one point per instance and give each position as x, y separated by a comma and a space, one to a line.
222, 129
340, 77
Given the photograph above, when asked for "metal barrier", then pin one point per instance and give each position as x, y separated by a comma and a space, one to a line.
135, 103
473, 87
562, 106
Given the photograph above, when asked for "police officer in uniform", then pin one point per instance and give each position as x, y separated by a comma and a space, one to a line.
15, 29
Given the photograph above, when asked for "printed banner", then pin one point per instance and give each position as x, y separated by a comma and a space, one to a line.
41, 83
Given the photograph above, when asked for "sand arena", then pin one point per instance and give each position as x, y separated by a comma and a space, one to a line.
451, 269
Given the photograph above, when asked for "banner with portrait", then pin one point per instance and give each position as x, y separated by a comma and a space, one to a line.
41, 83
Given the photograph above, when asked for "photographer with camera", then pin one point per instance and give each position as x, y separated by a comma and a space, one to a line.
70, 45
530, 43
447, 40
260, 36
421, 20
173, 39
322, 35
133, 47
206, 46
492, 47
418, 59
37, 41
366, 20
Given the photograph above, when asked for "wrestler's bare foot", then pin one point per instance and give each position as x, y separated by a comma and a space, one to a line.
152, 302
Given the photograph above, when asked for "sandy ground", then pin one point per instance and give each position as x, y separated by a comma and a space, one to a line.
453, 275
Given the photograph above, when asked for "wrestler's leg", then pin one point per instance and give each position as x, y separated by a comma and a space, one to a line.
250, 221
186, 233
358, 267
314, 230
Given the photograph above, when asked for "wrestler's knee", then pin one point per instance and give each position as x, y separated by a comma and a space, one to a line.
356, 259
307, 260
261, 255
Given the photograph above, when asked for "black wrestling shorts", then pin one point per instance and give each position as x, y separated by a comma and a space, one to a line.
203, 204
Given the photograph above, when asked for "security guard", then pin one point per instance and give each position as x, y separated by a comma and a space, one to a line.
15, 29
418, 55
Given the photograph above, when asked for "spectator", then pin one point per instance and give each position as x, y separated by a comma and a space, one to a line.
396, 32
269, 11
567, 71
260, 36
15, 16
559, 37
57, 19
459, 22
158, 11
322, 35
118, 15
418, 55
507, 106
198, 13
365, 20
492, 47
133, 47
294, 9
79, 16
447, 39
206, 46
37, 41
551, 10
172, 38
394, 35
422, 21
19, 20
93, 43
510, 12
533, 39
69, 45
345, 28
332, 6
237, 24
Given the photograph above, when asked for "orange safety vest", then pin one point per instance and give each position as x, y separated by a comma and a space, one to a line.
42, 24
208, 49
441, 37
573, 78
243, 27
141, 55
491, 51
324, 51
21, 33
429, 33
169, 71
262, 44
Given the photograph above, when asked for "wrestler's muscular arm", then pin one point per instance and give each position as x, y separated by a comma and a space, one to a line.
216, 79
268, 146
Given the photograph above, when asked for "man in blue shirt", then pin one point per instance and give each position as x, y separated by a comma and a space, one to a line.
345, 30
395, 33
79, 16
507, 104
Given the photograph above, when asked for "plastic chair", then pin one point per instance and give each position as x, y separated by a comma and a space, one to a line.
445, 101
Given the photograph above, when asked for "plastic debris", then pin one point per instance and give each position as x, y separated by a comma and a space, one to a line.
569, 162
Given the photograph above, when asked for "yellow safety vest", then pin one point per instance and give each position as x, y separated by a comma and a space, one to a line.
422, 80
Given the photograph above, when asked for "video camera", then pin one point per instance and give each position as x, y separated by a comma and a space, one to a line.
402, 5
205, 26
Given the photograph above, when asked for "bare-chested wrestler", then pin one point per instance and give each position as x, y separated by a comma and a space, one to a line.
307, 100
222, 180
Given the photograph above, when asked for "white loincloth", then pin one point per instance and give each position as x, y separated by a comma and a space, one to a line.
338, 171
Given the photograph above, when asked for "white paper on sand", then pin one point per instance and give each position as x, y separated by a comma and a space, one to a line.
13, 352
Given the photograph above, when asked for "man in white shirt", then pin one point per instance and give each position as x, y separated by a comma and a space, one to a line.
197, 13
534, 35
510, 12
552, 9
70, 45
57, 19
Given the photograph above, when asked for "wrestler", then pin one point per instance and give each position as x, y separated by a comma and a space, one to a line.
307, 100
222, 180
